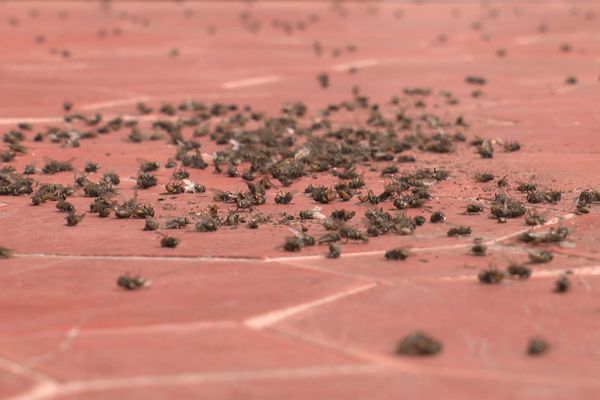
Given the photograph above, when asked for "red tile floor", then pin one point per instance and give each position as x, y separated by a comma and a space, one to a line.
229, 315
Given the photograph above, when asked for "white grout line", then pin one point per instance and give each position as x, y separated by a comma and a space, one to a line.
209, 377
157, 328
270, 318
367, 62
32, 120
44, 67
261, 80
426, 60
113, 103
42, 390
137, 258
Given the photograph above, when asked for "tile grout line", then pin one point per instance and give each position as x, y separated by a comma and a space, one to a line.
265, 320
95, 385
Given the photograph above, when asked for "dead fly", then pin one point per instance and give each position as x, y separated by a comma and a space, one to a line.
5, 252
485, 149
131, 282
112, 177
151, 224
562, 284
503, 182
175, 187
145, 180
293, 244
208, 223
540, 257
353, 234
133, 209
418, 344
551, 196
180, 173
533, 218
248, 175
224, 197
475, 80
478, 249
483, 177
50, 191
552, 236
176, 223
149, 166
170, 242
323, 80
461, 230
253, 223
369, 197
143, 108
7, 156
311, 214
474, 209
73, 219
419, 220
54, 166
323, 195
526, 187
342, 215
29, 169
334, 251
505, 207
518, 271
232, 171
437, 217
330, 238
356, 183
571, 80
284, 198
396, 254
64, 206
512, 146
389, 170
537, 346
91, 167
491, 276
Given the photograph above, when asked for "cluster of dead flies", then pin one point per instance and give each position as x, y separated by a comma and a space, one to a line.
271, 153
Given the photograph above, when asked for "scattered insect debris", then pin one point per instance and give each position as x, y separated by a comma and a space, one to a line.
537, 346
461, 230
170, 242
418, 344
396, 254
323, 80
491, 275
479, 248
5, 252
552, 236
518, 271
562, 284
54, 166
334, 251
131, 282
437, 217
540, 256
